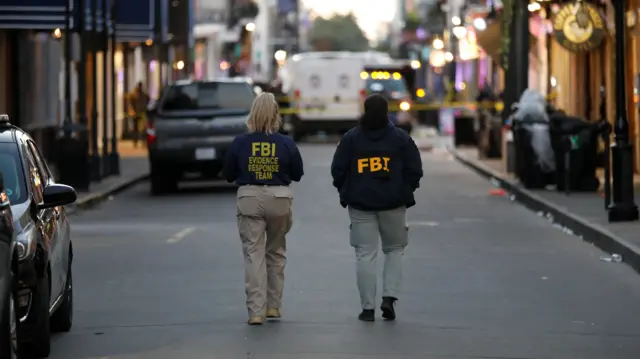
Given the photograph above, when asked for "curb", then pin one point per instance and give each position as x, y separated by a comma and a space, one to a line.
94, 199
589, 232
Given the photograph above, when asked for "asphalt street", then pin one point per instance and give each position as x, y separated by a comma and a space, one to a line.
162, 278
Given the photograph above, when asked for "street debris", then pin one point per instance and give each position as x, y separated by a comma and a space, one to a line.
423, 224
615, 258
557, 225
497, 192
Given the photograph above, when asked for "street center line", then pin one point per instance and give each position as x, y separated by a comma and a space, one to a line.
180, 235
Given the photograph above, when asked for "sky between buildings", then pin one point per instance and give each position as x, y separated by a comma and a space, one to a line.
370, 14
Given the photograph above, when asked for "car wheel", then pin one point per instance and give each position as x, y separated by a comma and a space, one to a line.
9, 331
296, 131
162, 183
39, 346
62, 319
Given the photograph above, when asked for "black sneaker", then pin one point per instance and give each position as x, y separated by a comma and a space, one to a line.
387, 307
367, 315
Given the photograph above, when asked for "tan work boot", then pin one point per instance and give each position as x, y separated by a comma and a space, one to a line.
255, 320
273, 313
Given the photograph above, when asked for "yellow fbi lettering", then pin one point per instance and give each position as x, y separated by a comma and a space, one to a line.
373, 164
263, 149
263, 162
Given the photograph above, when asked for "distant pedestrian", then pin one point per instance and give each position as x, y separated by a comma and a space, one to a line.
376, 169
263, 163
138, 102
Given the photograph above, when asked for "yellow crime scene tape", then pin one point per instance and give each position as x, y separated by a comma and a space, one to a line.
302, 106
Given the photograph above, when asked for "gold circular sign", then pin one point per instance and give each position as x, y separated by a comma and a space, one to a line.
579, 27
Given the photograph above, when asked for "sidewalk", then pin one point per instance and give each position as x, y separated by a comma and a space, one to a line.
134, 168
582, 213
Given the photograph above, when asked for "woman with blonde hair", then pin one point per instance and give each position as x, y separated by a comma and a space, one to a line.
263, 163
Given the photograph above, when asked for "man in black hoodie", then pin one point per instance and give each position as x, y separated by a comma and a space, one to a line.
376, 169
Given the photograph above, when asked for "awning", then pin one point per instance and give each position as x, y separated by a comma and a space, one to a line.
489, 40
135, 20
33, 14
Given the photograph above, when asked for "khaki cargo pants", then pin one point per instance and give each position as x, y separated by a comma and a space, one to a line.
264, 218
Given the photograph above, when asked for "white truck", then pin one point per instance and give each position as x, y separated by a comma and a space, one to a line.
325, 90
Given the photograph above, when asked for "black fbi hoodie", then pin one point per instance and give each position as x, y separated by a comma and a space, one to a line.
377, 169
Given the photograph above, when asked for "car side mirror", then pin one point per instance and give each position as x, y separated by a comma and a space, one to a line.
55, 195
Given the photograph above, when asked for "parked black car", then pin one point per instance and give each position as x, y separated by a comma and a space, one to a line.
44, 250
8, 279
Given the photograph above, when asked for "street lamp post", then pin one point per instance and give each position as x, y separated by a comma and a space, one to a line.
623, 208
96, 170
521, 47
517, 74
114, 157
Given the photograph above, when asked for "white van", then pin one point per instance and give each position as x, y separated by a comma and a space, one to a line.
326, 90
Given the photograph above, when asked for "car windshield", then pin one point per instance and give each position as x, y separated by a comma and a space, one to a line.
387, 86
11, 169
208, 96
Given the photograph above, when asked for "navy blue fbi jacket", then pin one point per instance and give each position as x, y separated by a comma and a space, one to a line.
262, 159
377, 170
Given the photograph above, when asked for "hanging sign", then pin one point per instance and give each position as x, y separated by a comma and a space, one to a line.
579, 27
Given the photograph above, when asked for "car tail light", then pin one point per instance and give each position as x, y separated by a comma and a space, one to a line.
151, 133
297, 94
363, 94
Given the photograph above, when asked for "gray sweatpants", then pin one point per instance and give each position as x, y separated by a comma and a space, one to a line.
367, 228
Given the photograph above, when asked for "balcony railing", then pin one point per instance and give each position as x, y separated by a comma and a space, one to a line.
211, 16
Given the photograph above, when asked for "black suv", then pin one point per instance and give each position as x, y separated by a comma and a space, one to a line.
44, 285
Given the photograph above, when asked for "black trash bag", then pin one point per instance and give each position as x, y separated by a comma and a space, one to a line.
578, 139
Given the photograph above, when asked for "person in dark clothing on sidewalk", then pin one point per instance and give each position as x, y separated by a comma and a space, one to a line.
376, 168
